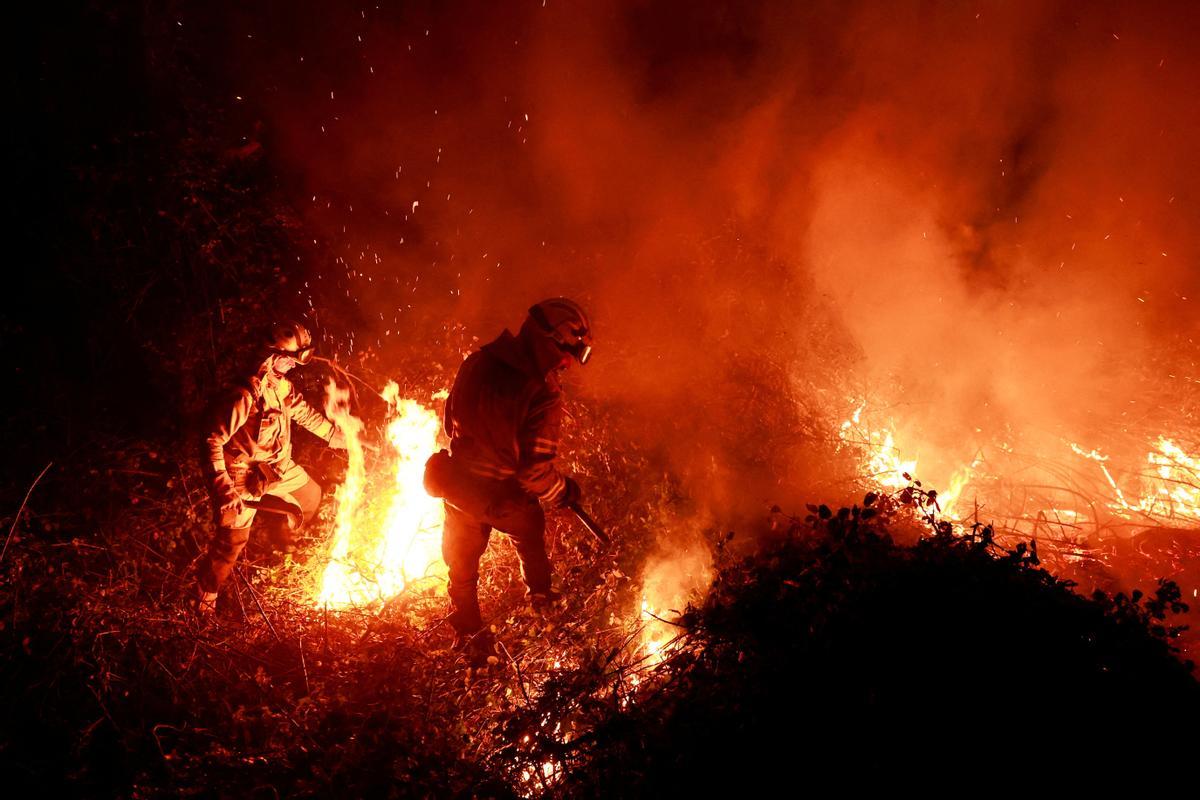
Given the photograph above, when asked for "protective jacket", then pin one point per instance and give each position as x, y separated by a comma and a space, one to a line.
255, 424
504, 418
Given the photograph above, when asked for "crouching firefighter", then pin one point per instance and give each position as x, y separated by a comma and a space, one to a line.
248, 452
503, 418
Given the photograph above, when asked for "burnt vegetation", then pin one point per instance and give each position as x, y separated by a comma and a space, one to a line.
824, 649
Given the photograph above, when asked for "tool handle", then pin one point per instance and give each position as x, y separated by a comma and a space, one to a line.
593, 527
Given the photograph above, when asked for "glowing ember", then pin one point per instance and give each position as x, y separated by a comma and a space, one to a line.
548, 774
374, 556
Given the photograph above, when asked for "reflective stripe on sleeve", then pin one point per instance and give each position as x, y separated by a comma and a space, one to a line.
560, 483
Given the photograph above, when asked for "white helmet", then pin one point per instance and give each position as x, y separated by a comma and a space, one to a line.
293, 340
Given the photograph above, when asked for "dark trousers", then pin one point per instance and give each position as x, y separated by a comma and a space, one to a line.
233, 531
465, 538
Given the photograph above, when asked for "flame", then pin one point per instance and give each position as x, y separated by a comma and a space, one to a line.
349, 495
654, 637
1176, 486
883, 465
887, 470
1169, 490
1165, 489
373, 559
671, 582
958, 481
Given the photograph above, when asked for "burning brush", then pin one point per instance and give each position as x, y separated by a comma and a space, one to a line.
383, 540
1095, 514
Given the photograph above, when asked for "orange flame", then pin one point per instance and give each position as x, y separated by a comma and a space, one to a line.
1169, 490
671, 582
374, 557
884, 467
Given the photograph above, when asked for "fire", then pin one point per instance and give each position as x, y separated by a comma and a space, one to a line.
373, 556
1163, 490
1176, 485
546, 776
654, 638
1169, 489
885, 468
670, 583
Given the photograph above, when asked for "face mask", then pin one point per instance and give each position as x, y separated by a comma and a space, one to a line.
580, 350
282, 365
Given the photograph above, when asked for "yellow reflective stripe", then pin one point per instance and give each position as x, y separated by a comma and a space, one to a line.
560, 483
543, 446
489, 471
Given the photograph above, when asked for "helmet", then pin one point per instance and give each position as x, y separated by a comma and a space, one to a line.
566, 323
293, 340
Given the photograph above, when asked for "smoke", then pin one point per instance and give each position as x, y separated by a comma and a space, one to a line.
987, 212
1005, 224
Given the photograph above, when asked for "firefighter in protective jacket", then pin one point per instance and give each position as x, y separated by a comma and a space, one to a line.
248, 449
503, 418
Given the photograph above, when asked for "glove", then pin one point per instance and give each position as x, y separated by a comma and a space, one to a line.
233, 507
571, 493
228, 496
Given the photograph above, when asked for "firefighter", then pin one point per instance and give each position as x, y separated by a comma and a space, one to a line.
503, 418
248, 449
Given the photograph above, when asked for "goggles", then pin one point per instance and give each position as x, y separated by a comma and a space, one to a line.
580, 349
301, 356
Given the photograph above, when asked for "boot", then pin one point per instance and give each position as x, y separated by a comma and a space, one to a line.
207, 603
201, 603
479, 648
545, 602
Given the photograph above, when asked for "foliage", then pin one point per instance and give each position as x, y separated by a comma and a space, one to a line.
836, 654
